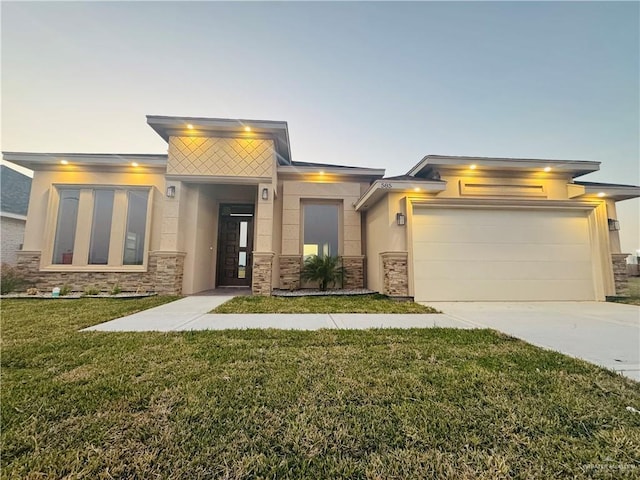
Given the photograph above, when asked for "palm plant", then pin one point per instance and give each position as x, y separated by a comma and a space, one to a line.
324, 270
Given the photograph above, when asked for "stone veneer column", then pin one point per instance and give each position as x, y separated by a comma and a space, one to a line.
169, 271
354, 271
290, 266
395, 274
620, 274
262, 267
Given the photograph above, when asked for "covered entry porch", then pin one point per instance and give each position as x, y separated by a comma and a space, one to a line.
224, 232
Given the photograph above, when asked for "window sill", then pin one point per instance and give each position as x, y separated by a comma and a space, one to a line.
94, 268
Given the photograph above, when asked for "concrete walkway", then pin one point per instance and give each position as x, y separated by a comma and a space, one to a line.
190, 313
607, 334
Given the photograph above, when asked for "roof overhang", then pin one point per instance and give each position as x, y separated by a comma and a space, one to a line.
225, 127
603, 190
382, 187
88, 161
437, 163
330, 171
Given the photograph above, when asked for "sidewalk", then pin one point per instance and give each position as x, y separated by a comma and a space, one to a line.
191, 313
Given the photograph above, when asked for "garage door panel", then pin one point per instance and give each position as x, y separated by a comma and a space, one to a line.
493, 254
474, 252
516, 290
489, 271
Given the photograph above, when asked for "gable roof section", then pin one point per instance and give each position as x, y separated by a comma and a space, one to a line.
167, 126
306, 168
432, 163
16, 188
614, 191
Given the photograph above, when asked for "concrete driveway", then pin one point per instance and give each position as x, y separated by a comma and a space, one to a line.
607, 334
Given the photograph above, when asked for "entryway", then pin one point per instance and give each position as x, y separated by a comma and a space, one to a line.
235, 244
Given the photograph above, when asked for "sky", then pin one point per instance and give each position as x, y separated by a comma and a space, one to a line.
376, 84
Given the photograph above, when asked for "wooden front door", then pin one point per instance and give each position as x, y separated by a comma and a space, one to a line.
235, 244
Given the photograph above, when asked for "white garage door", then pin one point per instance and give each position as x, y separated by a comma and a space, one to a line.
510, 255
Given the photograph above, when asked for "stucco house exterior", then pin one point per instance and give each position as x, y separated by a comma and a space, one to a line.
14, 193
228, 206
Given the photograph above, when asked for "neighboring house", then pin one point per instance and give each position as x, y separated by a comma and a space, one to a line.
15, 188
227, 206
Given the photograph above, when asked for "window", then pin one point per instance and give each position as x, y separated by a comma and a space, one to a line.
66, 226
320, 230
136, 227
101, 227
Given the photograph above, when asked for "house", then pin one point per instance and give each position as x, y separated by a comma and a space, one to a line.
14, 202
228, 206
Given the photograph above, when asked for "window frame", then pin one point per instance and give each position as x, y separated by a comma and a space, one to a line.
339, 204
83, 235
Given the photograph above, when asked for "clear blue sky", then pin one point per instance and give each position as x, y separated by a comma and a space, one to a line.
372, 84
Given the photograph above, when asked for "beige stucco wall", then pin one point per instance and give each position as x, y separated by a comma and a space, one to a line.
12, 234
214, 156
295, 193
42, 215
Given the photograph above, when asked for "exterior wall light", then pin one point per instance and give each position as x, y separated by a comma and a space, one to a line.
401, 220
171, 191
265, 193
614, 225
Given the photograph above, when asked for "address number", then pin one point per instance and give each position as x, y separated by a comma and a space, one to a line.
386, 185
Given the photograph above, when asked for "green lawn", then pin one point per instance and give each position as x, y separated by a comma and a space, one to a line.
431, 403
316, 304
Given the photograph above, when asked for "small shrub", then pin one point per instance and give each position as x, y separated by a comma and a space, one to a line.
11, 279
116, 289
65, 290
91, 291
32, 291
324, 270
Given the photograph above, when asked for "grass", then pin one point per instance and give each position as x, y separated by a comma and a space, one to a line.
634, 293
327, 304
431, 403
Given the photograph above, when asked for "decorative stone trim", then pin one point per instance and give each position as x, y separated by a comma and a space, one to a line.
163, 275
262, 268
290, 267
620, 274
395, 274
354, 271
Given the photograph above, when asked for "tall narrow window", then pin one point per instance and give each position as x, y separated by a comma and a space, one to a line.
136, 227
66, 226
101, 227
320, 230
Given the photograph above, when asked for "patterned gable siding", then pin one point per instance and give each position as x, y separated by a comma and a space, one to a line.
234, 157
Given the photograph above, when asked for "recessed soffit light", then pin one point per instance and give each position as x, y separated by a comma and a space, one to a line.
189, 126
134, 164
64, 162
602, 194
473, 166
247, 128
547, 169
